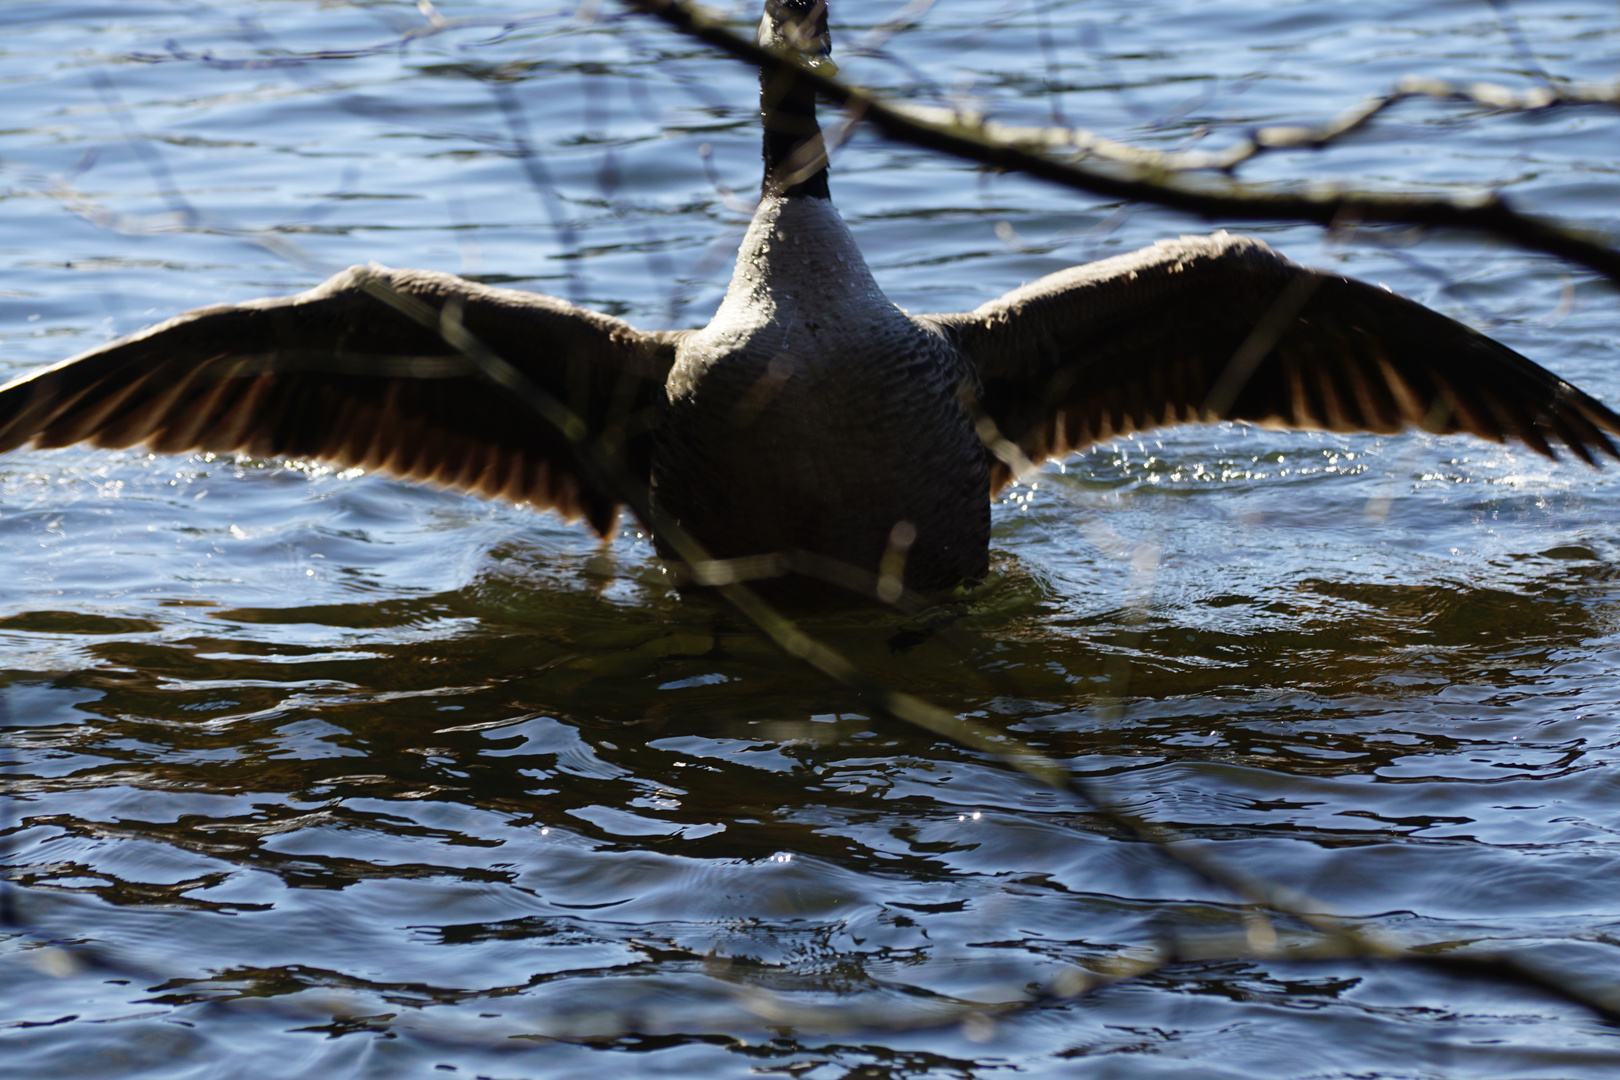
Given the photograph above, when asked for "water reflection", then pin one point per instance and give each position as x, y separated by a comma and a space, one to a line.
581, 805
670, 718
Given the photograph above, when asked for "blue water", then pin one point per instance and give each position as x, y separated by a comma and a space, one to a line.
313, 773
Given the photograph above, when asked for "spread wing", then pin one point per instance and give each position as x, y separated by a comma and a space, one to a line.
1224, 328
423, 375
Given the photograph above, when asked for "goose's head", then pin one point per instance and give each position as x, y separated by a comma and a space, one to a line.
797, 26
795, 155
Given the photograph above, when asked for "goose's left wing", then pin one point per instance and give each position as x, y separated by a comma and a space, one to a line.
424, 375
1223, 328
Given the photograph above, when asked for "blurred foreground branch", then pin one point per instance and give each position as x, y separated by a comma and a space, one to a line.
1137, 174
1178, 181
1165, 179
1332, 937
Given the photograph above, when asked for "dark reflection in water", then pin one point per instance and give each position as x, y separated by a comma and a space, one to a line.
582, 819
312, 774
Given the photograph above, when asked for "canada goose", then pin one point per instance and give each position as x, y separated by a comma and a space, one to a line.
812, 425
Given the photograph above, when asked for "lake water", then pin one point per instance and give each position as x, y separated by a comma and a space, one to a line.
317, 774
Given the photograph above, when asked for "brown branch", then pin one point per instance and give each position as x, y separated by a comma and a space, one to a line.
1466, 964
1484, 212
1056, 139
1500, 99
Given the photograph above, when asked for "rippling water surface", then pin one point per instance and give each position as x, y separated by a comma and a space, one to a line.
314, 773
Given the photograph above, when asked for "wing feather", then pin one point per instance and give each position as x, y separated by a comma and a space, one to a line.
1223, 327
359, 371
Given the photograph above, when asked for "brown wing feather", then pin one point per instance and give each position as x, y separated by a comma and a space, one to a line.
357, 371
1223, 327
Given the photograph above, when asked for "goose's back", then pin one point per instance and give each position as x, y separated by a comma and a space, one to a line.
812, 415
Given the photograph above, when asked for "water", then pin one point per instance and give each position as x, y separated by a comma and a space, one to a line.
312, 773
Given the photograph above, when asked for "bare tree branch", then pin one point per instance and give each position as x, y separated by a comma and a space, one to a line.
1138, 175
1262, 140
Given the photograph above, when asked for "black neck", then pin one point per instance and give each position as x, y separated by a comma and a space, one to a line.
795, 156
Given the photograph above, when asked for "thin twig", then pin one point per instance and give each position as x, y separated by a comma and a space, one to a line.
1057, 138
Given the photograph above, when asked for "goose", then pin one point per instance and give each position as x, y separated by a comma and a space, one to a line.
812, 431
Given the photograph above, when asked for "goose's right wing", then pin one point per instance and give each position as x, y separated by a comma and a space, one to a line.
423, 375
1222, 327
